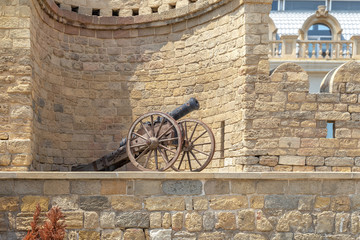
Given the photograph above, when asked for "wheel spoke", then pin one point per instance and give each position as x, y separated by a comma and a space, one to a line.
142, 154
164, 147
192, 134
188, 156
186, 133
152, 125
195, 158
140, 136
167, 130
201, 152
156, 159
148, 158
200, 144
182, 158
164, 156
139, 145
200, 136
162, 122
143, 125
168, 139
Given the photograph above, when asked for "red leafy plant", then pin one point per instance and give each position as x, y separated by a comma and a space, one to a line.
52, 229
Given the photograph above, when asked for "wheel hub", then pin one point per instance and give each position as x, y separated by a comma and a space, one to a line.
187, 146
153, 143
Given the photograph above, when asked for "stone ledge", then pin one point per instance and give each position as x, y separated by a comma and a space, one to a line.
163, 176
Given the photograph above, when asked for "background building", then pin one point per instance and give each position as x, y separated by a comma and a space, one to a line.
317, 38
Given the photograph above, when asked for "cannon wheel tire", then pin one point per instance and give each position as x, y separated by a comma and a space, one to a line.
154, 142
198, 146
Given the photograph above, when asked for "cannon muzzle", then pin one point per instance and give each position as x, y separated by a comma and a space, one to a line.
184, 109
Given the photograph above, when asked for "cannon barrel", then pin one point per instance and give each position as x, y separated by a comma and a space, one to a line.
184, 109
118, 158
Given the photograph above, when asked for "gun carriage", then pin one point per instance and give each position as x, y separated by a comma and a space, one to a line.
157, 141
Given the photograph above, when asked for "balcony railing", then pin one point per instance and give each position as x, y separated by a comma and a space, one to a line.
290, 47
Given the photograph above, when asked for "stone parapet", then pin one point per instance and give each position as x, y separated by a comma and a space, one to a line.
225, 206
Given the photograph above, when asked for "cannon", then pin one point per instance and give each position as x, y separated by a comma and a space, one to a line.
157, 141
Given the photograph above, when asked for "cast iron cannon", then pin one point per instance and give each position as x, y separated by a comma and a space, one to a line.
156, 140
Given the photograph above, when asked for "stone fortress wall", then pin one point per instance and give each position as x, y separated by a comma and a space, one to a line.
73, 84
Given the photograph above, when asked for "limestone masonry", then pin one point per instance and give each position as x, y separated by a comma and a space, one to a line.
72, 83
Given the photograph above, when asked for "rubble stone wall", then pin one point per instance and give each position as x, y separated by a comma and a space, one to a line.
92, 76
262, 206
286, 126
16, 112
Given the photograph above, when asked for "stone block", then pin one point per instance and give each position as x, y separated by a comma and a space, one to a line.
307, 187
29, 203
160, 234
315, 161
9, 204
132, 220
339, 161
322, 203
19, 146
338, 187
182, 235
342, 223
243, 186
56, 187
271, 186
270, 161
200, 203
249, 236
226, 221
91, 220
7, 187
325, 222
85, 187
289, 142
74, 220
155, 220
111, 234
3, 223
182, 187
228, 202
340, 203
5, 159
149, 187
307, 236
123, 203
177, 221
166, 220
111, 187
306, 203
294, 221
89, 235
94, 203
246, 220
66, 202
134, 234
281, 202
216, 187
262, 223
107, 220
292, 160
209, 221
23, 221
257, 201
193, 222
165, 204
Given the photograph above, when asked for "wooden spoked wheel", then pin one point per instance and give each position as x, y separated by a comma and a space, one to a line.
198, 146
154, 142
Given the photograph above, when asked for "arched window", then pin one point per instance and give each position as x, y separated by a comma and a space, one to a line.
319, 32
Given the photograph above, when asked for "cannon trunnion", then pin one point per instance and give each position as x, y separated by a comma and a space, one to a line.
157, 142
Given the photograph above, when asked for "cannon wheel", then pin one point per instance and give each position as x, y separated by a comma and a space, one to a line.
198, 146
154, 142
